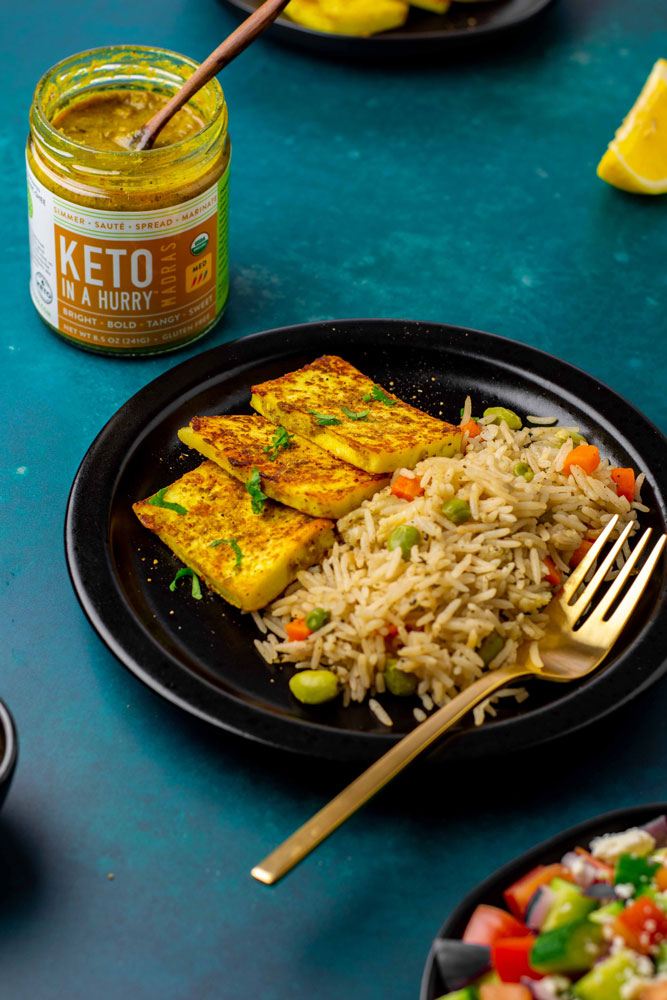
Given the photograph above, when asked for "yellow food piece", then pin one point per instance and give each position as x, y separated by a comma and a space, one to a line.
389, 438
636, 159
275, 545
348, 17
437, 6
301, 476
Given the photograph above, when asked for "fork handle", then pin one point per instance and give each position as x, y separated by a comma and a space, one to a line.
324, 822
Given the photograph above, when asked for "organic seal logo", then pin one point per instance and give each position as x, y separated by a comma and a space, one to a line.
44, 288
199, 244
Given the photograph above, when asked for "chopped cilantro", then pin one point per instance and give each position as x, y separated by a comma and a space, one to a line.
235, 546
324, 420
281, 439
186, 571
158, 501
378, 395
254, 488
355, 416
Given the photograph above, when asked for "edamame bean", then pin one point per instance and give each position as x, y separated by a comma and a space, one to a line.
404, 537
457, 511
317, 618
502, 413
312, 687
577, 439
523, 469
490, 647
398, 682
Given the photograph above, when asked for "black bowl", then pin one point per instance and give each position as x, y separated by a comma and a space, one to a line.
491, 889
8, 750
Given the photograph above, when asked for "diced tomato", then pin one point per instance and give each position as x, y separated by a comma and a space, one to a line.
489, 924
586, 456
472, 428
406, 488
606, 872
511, 958
580, 552
642, 925
553, 574
297, 630
507, 991
652, 991
625, 483
660, 878
518, 895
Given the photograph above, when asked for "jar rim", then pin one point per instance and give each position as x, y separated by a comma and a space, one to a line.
112, 157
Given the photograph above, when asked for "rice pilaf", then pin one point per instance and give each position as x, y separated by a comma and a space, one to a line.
430, 614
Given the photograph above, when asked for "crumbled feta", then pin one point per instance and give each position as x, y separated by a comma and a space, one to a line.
625, 890
610, 846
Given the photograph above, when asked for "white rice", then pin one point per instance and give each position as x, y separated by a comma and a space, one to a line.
431, 613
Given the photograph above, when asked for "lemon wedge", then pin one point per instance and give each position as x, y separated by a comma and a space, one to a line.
636, 159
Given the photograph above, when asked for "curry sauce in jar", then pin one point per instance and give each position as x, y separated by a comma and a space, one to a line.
128, 249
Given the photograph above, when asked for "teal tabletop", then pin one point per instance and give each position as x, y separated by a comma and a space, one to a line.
461, 190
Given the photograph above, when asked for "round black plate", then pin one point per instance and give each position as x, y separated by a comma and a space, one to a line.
491, 890
463, 24
200, 654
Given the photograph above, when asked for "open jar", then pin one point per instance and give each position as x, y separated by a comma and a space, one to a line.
128, 249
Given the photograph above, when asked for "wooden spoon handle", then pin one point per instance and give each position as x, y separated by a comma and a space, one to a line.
235, 43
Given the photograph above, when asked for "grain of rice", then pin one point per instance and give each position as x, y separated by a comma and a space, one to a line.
379, 712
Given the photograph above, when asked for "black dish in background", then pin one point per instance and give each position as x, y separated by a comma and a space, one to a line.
490, 891
8, 750
422, 34
200, 654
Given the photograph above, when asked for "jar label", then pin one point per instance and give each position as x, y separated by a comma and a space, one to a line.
129, 280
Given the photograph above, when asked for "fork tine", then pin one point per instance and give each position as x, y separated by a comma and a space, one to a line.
576, 577
617, 621
592, 587
615, 588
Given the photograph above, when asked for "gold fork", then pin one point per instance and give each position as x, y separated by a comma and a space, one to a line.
567, 654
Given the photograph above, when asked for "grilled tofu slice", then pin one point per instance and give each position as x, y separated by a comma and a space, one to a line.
274, 546
317, 401
300, 475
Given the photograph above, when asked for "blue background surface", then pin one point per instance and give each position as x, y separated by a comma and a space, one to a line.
456, 191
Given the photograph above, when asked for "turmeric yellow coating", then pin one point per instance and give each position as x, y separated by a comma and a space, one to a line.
349, 17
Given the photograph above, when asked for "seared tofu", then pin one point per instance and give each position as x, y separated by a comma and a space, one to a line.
270, 548
300, 475
335, 406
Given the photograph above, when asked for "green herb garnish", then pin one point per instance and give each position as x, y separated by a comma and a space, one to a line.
324, 420
355, 416
254, 488
379, 395
158, 501
235, 546
281, 439
186, 571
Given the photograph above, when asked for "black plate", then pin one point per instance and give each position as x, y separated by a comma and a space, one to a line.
423, 32
491, 890
200, 654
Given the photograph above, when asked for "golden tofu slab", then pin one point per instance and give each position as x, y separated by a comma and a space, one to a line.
316, 402
301, 475
274, 546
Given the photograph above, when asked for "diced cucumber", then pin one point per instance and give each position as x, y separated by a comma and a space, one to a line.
467, 993
607, 979
605, 913
570, 948
569, 905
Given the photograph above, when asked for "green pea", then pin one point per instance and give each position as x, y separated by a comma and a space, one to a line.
523, 469
403, 538
398, 682
577, 439
490, 647
312, 687
502, 413
457, 511
317, 618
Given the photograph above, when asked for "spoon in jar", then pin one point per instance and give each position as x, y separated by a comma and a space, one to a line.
235, 43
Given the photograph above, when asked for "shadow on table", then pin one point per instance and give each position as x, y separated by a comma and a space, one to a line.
20, 878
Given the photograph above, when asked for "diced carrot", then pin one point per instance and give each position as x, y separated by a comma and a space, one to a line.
586, 456
625, 483
580, 552
653, 991
504, 991
390, 630
406, 488
553, 574
297, 630
518, 895
471, 428
660, 878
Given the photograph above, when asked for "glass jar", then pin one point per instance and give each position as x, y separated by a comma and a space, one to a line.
128, 250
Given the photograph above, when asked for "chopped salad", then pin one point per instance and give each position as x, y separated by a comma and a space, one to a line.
590, 927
